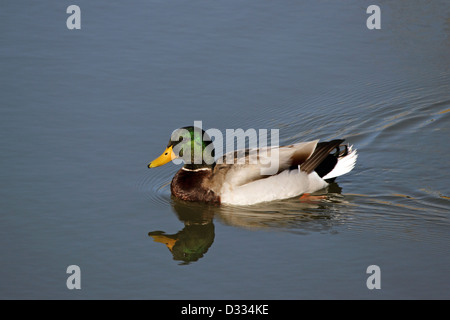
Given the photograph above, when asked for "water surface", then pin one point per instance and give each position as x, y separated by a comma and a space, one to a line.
84, 111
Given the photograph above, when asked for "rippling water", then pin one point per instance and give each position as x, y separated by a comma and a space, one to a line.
84, 111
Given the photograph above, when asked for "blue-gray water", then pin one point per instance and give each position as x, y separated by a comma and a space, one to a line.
82, 112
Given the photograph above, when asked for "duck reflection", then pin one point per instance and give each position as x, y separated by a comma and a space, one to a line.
302, 215
193, 241
298, 215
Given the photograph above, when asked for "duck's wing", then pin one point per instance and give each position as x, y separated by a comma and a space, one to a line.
242, 167
299, 168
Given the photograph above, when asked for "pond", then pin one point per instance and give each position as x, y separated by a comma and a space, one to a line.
84, 111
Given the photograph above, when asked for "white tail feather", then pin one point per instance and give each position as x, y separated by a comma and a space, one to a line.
344, 164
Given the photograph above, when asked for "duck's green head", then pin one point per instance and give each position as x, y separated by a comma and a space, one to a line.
191, 144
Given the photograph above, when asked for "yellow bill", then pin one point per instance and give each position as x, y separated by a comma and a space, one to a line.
169, 242
167, 156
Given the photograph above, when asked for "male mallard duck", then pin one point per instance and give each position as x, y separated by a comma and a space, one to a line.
299, 168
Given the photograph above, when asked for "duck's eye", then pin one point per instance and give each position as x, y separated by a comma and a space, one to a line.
166, 153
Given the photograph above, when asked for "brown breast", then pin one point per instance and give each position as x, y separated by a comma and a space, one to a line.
191, 186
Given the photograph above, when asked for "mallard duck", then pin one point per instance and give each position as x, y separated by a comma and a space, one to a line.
300, 168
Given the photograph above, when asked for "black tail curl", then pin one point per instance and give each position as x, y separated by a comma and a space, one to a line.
322, 160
